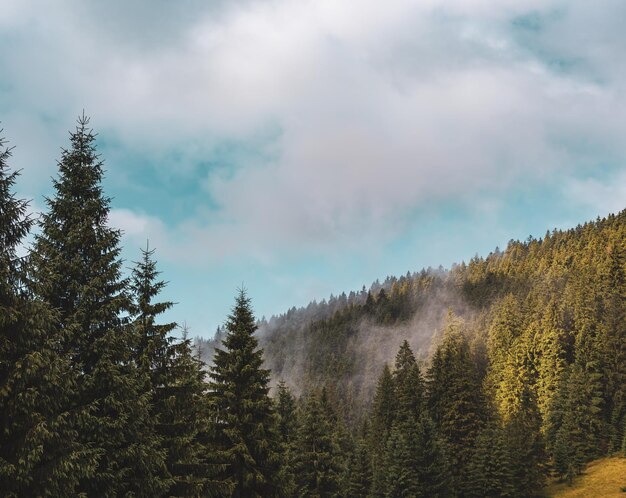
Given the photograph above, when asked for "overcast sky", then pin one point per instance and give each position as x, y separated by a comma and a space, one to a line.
304, 148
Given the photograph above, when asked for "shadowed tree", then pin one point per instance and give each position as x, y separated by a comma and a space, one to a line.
39, 449
77, 270
245, 435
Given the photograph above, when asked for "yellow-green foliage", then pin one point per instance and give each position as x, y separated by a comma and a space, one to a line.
603, 478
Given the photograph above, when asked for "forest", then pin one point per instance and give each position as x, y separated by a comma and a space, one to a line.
483, 380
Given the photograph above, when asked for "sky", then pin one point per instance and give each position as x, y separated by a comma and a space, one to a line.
303, 148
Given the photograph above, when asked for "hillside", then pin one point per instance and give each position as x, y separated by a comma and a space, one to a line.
345, 341
604, 478
491, 378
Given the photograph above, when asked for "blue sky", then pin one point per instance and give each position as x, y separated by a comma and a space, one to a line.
305, 148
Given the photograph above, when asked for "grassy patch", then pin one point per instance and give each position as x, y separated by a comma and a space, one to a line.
605, 478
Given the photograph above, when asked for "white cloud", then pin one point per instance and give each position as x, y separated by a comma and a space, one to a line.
607, 197
384, 107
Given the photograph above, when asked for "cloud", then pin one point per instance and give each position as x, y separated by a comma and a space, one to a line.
382, 109
607, 197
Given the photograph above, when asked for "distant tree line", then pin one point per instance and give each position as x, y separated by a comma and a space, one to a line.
99, 398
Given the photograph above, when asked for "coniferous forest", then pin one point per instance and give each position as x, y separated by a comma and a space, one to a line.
484, 380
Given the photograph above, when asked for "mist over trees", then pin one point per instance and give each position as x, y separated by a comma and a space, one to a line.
483, 380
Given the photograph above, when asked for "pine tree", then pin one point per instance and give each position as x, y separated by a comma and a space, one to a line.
613, 337
287, 432
317, 466
179, 404
39, 451
433, 467
245, 433
359, 472
400, 461
77, 270
383, 413
552, 359
455, 399
184, 423
580, 429
523, 439
154, 343
409, 386
489, 470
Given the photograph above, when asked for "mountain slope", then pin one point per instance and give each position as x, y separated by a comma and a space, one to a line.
565, 293
604, 478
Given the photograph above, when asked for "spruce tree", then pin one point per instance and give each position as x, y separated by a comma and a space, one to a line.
400, 461
153, 341
383, 413
77, 270
317, 466
613, 337
39, 449
433, 467
455, 399
179, 404
580, 431
489, 470
359, 473
523, 439
244, 435
409, 386
184, 423
414, 463
287, 432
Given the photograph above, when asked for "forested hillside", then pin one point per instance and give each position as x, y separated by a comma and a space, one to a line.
482, 380
550, 300
535, 333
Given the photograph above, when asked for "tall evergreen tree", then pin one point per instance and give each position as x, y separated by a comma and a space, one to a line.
358, 481
489, 472
39, 451
179, 404
317, 465
77, 270
184, 423
383, 413
153, 341
613, 336
409, 386
525, 444
287, 432
245, 433
455, 399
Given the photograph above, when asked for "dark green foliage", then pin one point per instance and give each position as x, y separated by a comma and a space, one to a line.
613, 338
153, 340
489, 473
401, 461
77, 270
523, 439
287, 433
179, 404
39, 451
358, 481
184, 424
414, 462
317, 464
575, 423
409, 386
455, 399
245, 434
383, 415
